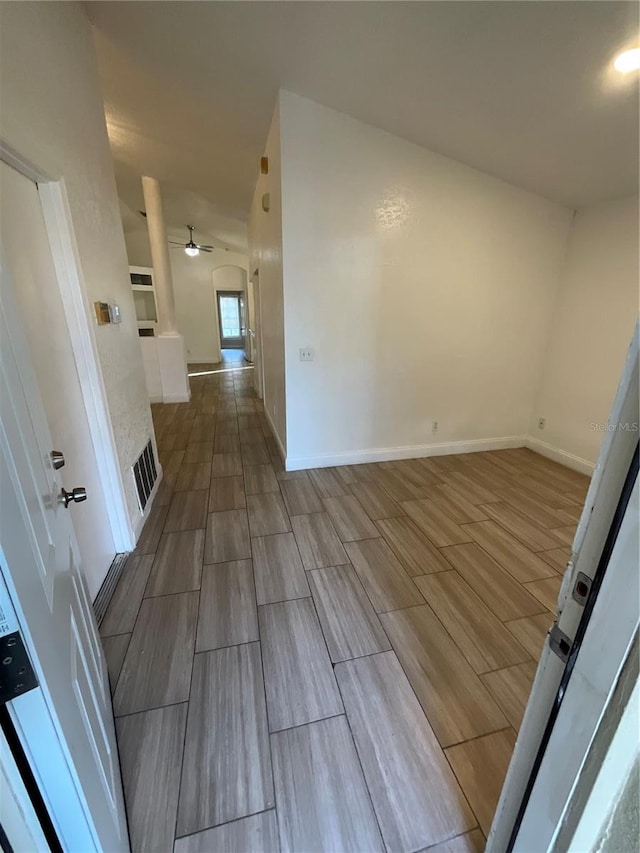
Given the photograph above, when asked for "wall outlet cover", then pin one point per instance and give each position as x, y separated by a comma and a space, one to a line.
542, 423
306, 354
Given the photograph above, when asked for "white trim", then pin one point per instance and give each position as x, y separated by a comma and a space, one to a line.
66, 260
157, 398
577, 463
386, 454
140, 522
283, 452
175, 398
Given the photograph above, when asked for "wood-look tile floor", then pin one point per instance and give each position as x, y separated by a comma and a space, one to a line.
336, 659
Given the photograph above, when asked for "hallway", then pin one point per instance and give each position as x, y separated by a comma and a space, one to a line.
326, 660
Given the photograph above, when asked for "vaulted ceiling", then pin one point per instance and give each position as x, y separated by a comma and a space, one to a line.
522, 90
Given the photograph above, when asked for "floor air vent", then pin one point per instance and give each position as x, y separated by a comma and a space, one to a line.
145, 474
108, 586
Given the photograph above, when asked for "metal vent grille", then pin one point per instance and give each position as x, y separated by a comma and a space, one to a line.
145, 474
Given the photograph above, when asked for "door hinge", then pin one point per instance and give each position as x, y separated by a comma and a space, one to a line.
581, 588
560, 643
16, 673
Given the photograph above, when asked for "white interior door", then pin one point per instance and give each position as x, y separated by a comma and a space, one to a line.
597, 619
27, 252
66, 724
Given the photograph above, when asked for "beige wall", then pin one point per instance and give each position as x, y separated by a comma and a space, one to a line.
52, 114
195, 281
425, 288
593, 321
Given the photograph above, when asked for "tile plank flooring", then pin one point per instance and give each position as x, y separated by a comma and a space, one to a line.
327, 660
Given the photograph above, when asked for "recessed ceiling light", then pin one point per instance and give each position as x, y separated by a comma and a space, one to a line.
628, 60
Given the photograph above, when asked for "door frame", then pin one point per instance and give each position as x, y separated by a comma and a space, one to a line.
258, 358
221, 294
66, 261
547, 766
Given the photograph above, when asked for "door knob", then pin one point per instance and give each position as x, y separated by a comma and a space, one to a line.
57, 459
76, 495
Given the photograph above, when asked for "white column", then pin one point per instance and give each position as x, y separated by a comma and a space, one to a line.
170, 343
158, 240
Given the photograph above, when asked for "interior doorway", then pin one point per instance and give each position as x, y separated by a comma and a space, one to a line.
232, 319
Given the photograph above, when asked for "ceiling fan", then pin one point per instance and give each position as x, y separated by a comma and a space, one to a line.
192, 249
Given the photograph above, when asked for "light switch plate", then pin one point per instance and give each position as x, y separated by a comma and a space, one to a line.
306, 354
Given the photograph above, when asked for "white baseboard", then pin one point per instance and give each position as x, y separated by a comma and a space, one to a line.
561, 456
386, 454
140, 522
283, 452
177, 398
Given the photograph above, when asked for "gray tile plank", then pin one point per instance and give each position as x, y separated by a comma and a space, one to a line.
505, 549
496, 587
327, 484
150, 746
436, 524
411, 546
226, 465
375, 501
349, 519
257, 833
318, 542
478, 633
152, 530
323, 802
470, 842
226, 493
300, 496
387, 584
457, 704
481, 766
178, 563
157, 667
260, 479
115, 648
267, 514
227, 744
193, 476
299, 678
350, 625
227, 614
278, 568
187, 511
227, 537
125, 602
416, 797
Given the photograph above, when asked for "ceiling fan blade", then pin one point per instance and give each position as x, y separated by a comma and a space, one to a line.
173, 243
205, 248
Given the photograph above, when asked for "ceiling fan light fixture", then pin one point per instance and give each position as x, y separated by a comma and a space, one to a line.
627, 61
192, 251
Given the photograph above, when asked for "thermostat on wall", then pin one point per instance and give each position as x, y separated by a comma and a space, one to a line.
114, 314
103, 315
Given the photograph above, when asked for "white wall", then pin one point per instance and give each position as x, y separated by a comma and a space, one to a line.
265, 242
593, 321
52, 114
195, 281
425, 288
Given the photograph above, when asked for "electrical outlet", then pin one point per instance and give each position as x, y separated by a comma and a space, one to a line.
306, 354
434, 426
541, 423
